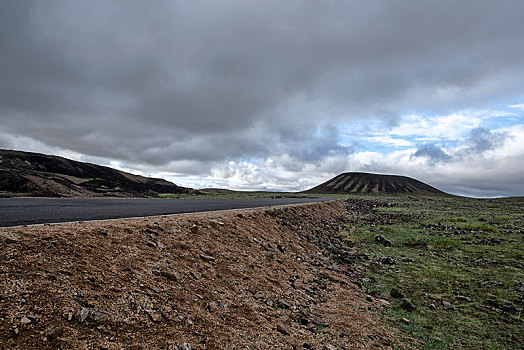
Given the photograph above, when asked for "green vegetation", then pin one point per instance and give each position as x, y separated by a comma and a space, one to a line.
459, 260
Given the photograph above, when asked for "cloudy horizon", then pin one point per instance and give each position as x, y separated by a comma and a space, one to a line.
270, 95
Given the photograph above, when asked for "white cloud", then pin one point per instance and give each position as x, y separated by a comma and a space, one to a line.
517, 106
443, 127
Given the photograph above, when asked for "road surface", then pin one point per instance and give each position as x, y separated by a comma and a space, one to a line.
27, 211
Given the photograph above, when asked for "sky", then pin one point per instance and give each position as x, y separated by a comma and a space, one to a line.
271, 95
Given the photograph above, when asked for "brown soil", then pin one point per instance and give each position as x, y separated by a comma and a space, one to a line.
226, 280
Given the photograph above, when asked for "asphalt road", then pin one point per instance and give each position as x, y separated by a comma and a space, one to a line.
27, 211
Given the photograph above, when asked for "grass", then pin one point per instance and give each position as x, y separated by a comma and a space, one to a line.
460, 260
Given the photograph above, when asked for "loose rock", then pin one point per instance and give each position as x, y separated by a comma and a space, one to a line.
81, 314
212, 306
168, 275
24, 320
395, 293
10, 240
408, 305
282, 328
184, 346
207, 258
55, 332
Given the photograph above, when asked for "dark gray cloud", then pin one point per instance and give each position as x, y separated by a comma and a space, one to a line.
482, 139
478, 141
156, 82
434, 153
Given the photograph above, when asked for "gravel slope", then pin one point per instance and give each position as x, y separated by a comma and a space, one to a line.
248, 279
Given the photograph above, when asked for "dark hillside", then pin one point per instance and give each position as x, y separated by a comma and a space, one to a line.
35, 174
373, 183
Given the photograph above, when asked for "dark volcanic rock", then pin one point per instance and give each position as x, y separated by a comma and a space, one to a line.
373, 183
395, 293
35, 174
408, 305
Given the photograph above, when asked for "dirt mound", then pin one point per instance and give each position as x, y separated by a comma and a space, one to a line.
373, 183
272, 278
35, 174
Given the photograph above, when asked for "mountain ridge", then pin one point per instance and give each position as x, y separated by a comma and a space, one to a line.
40, 175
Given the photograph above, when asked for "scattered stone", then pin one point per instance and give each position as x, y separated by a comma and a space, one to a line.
103, 233
81, 314
216, 224
194, 228
408, 305
409, 260
10, 240
104, 347
383, 240
55, 332
127, 269
282, 304
154, 289
259, 296
24, 320
387, 260
184, 346
369, 298
212, 306
207, 258
383, 303
282, 328
169, 276
193, 275
446, 304
150, 231
99, 316
151, 244
329, 347
463, 298
395, 293
432, 306
102, 328
405, 320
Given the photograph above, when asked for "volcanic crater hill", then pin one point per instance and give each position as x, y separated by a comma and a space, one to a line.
355, 182
40, 175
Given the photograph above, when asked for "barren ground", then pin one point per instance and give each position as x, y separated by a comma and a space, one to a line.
273, 278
